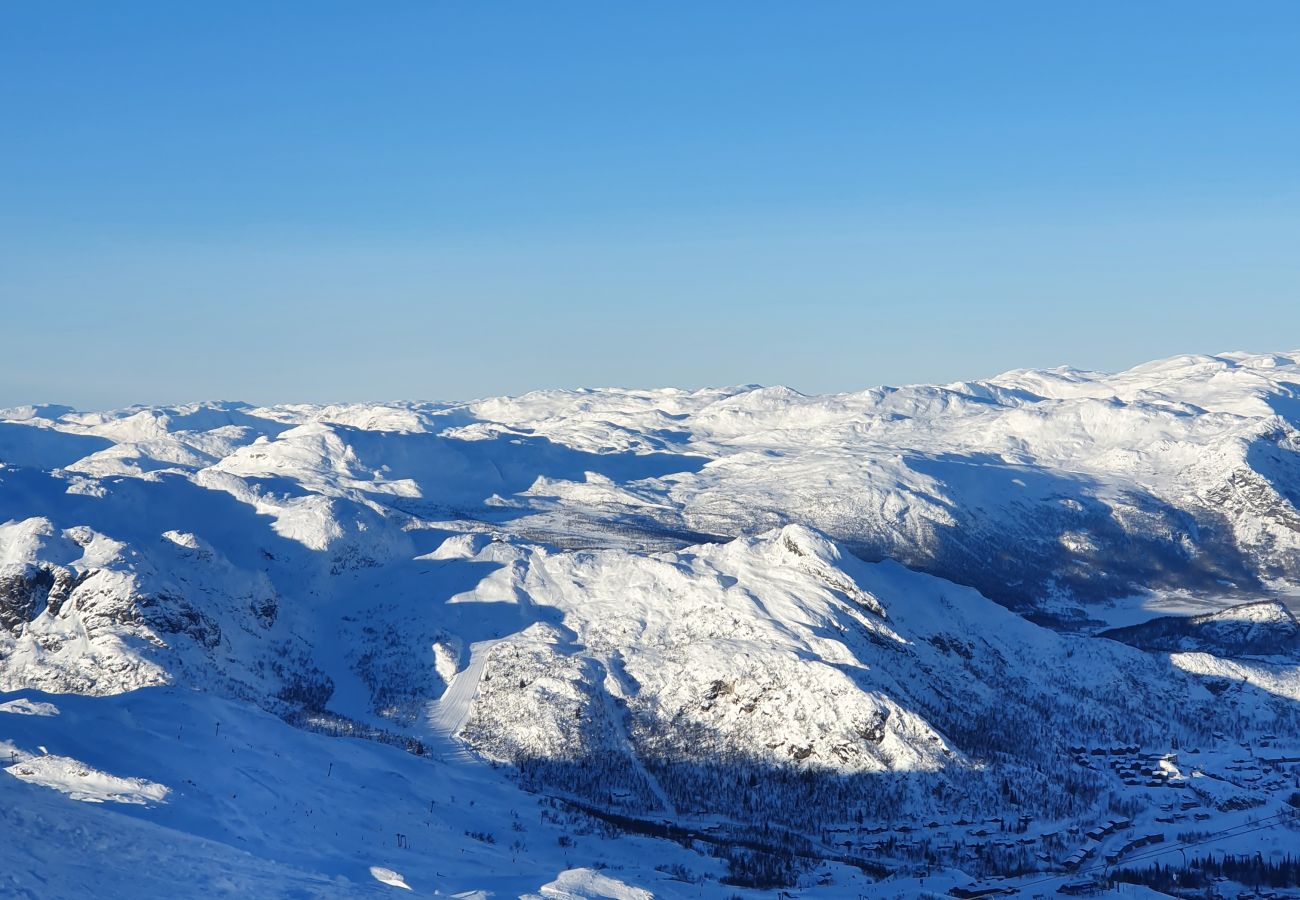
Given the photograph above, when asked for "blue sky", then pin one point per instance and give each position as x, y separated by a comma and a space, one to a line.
347, 201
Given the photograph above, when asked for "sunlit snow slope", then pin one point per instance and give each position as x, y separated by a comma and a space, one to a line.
269, 649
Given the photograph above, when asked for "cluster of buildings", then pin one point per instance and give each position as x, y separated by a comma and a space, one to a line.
1132, 766
1094, 838
1136, 843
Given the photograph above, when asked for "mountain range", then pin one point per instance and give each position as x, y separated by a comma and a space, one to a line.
630, 643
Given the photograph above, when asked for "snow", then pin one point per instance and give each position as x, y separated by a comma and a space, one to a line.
449, 713
24, 707
745, 610
389, 877
80, 781
259, 808
585, 884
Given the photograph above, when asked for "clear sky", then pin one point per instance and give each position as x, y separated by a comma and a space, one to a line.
278, 201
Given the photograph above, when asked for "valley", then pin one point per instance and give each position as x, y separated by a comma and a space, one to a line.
1013, 634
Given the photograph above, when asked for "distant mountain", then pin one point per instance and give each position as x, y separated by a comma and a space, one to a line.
1044, 489
764, 625
1251, 629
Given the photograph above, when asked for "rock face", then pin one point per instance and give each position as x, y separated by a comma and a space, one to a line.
23, 594
1251, 629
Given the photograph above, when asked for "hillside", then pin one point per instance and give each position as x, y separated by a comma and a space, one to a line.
602, 642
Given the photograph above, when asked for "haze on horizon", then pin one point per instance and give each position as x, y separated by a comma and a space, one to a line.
318, 202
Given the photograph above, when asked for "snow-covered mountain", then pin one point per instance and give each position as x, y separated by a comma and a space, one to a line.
764, 625
1266, 628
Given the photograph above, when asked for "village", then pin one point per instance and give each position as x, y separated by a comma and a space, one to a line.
1237, 798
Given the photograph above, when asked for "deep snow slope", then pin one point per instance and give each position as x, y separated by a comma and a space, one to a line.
764, 618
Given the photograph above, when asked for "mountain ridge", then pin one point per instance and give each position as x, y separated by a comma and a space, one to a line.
737, 609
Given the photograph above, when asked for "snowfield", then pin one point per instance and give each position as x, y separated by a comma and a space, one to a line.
619, 643
79, 781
